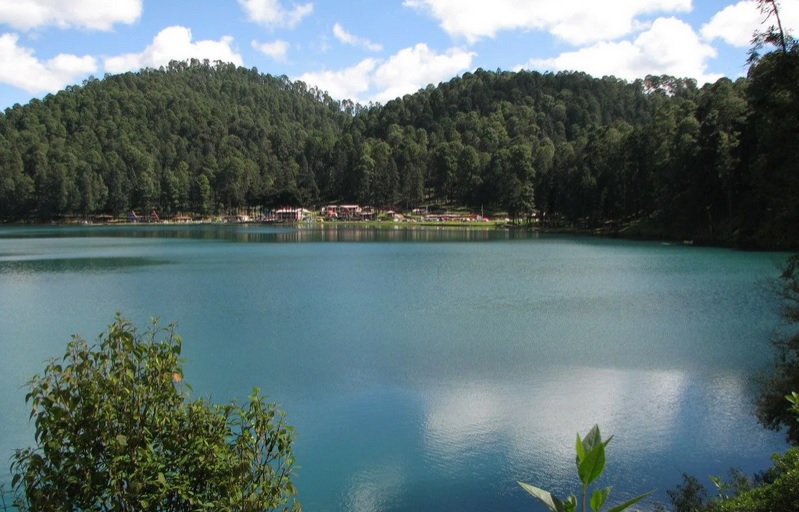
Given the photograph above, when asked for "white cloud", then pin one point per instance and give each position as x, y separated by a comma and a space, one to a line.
349, 83
20, 68
91, 14
789, 13
381, 80
411, 69
345, 37
271, 13
174, 43
577, 21
276, 49
669, 47
736, 23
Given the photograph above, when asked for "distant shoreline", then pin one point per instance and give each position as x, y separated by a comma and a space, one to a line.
625, 232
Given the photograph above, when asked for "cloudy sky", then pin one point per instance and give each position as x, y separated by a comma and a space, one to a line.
373, 50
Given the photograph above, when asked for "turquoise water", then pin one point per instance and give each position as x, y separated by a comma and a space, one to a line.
425, 369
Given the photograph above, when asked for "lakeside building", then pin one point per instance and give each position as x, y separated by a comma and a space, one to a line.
342, 212
290, 214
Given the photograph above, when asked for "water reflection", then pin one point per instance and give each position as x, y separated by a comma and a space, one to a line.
400, 233
375, 489
678, 415
256, 233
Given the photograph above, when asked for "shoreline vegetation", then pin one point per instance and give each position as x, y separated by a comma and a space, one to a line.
635, 231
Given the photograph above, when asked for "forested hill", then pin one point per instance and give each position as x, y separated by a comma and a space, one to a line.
192, 137
660, 156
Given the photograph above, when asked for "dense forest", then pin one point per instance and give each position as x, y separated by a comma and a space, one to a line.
659, 156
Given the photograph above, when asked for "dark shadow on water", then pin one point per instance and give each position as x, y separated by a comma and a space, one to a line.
86, 265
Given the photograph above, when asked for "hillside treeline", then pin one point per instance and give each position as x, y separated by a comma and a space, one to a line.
661, 156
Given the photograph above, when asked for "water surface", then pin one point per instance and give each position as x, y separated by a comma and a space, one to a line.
425, 369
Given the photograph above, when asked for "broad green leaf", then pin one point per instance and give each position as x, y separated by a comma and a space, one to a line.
592, 465
553, 503
580, 449
630, 503
592, 438
598, 498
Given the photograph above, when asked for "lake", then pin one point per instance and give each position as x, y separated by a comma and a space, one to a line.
425, 369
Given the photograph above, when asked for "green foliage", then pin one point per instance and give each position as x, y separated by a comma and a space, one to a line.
190, 137
780, 493
784, 379
773, 98
779, 485
793, 398
690, 496
737, 484
115, 430
590, 466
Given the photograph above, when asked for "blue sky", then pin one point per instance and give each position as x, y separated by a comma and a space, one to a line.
370, 50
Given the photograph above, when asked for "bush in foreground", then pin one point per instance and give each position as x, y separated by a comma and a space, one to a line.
780, 492
115, 430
